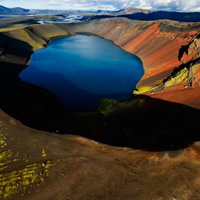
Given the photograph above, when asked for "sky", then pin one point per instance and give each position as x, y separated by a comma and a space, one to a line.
168, 5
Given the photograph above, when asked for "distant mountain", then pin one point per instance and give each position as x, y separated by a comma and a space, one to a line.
130, 10
158, 15
32, 11
19, 10
11, 11
149, 15
4, 9
98, 12
126, 11
107, 11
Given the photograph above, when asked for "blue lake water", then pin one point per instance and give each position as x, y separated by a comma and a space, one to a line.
82, 69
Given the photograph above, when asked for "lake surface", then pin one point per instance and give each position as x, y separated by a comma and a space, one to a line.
82, 69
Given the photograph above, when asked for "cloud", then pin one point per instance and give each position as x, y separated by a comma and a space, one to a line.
54, 3
87, 4
170, 5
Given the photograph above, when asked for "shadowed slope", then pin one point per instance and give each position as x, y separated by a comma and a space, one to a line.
140, 123
37, 165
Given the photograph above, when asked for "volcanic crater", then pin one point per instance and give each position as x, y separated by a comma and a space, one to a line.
122, 149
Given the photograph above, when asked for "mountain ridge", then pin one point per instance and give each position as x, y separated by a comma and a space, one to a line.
16, 10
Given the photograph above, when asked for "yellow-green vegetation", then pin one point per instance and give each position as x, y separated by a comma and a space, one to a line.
142, 90
48, 31
44, 153
23, 35
5, 155
18, 181
12, 183
111, 106
11, 28
106, 106
37, 36
178, 77
2, 140
5, 159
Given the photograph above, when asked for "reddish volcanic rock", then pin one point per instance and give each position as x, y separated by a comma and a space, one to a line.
178, 94
196, 75
163, 46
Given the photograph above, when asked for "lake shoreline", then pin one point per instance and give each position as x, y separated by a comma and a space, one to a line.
90, 58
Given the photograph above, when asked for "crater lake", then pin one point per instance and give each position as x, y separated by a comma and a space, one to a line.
82, 69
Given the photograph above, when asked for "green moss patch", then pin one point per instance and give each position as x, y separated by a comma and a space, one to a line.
111, 106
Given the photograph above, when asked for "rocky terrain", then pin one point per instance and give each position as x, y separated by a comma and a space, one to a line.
144, 148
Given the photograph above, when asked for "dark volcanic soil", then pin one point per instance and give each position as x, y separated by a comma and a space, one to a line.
42, 165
